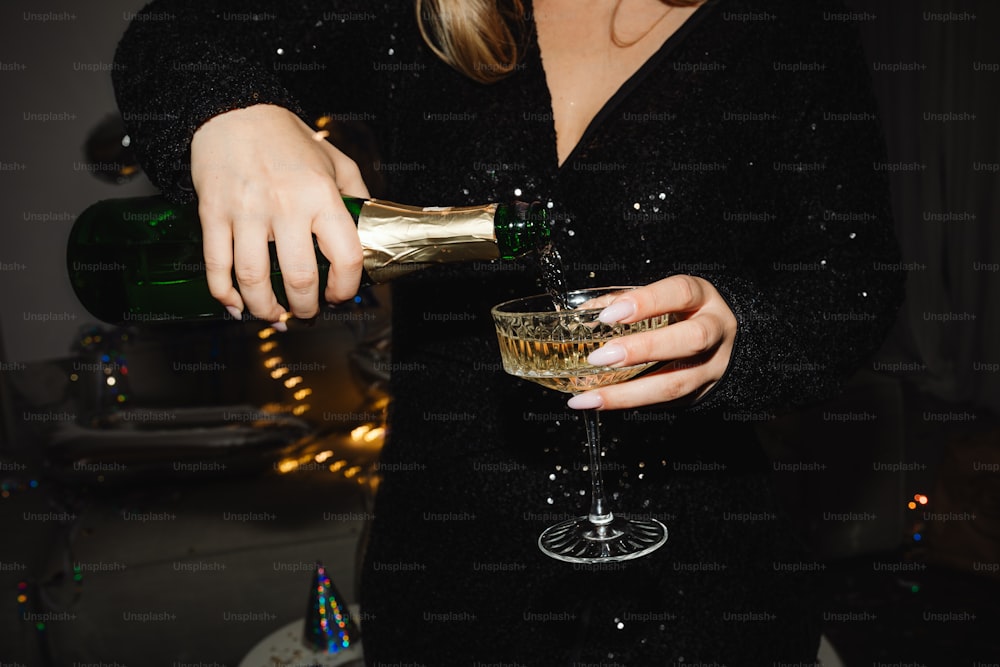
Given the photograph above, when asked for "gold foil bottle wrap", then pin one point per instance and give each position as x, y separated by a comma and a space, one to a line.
398, 239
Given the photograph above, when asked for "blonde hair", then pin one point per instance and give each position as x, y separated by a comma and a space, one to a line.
482, 39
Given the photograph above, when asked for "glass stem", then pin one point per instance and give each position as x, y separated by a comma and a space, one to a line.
600, 510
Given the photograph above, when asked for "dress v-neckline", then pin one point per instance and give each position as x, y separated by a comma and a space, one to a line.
630, 83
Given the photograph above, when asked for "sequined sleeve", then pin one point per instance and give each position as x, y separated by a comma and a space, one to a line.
181, 62
819, 304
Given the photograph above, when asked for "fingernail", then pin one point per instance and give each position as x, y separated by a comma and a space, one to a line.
607, 355
235, 312
617, 312
585, 402
279, 326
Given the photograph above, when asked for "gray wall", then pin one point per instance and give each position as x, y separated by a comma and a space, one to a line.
55, 59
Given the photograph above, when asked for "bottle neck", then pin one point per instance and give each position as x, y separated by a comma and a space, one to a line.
399, 239
521, 228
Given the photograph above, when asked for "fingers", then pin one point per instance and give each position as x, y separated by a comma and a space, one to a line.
299, 272
321, 212
687, 338
269, 176
253, 271
337, 232
698, 348
668, 384
600, 301
688, 344
347, 174
676, 294
217, 241
337, 236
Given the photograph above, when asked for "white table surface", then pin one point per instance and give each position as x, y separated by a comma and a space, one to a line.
284, 648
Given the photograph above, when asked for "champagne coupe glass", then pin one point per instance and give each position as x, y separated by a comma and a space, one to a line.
540, 343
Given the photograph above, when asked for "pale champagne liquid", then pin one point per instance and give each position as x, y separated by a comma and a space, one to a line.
553, 276
560, 365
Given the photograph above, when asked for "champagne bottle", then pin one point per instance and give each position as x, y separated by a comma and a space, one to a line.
140, 259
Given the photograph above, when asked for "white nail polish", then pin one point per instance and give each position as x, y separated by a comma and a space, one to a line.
607, 355
585, 402
617, 312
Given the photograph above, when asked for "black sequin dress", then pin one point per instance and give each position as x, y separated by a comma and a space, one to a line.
745, 151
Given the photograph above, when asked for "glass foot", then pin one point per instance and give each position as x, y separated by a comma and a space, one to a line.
580, 541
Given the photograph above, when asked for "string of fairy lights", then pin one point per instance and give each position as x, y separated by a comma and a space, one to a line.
109, 375
369, 436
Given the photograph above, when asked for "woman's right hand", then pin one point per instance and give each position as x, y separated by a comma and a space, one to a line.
263, 175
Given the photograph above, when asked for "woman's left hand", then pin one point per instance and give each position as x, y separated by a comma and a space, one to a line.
698, 346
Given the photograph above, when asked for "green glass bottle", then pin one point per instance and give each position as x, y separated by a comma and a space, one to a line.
140, 259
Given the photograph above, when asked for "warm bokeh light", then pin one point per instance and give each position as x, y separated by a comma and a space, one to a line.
368, 434
364, 440
291, 464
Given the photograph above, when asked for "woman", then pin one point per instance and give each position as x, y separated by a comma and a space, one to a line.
711, 152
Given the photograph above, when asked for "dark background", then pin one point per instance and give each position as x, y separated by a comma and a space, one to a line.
915, 585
